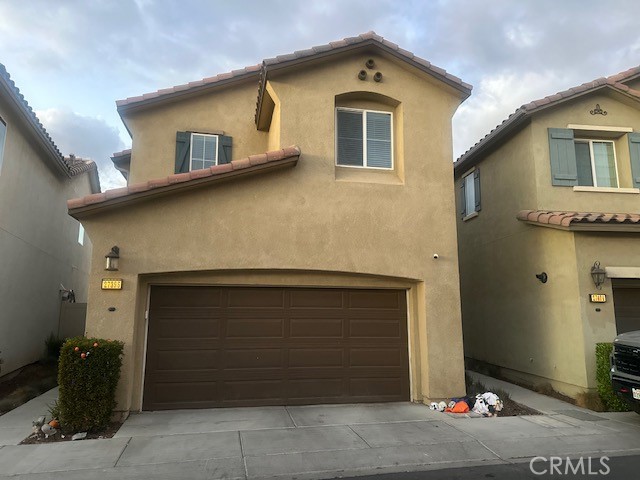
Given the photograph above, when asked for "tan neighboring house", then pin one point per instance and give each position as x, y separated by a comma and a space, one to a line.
297, 250
42, 249
547, 200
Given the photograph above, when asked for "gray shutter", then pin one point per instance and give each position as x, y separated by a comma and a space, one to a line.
562, 153
349, 133
224, 149
183, 141
476, 188
463, 197
634, 153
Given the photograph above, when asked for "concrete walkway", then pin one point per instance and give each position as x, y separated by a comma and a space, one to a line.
320, 442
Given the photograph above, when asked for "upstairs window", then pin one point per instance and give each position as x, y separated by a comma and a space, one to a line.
195, 151
364, 138
596, 163
80, 234
470, 196
204, 151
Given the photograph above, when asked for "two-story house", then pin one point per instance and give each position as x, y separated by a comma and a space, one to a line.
42, 249
549, 225
297, 250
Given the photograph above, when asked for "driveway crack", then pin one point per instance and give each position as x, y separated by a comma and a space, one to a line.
359, 436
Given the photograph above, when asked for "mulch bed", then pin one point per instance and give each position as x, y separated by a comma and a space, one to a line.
514, 409
31, 381
38, 438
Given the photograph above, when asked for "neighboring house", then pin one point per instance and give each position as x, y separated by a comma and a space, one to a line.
41, 247
546, 196
324, 272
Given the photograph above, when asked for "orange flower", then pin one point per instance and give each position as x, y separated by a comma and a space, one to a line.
83, 355
76, 349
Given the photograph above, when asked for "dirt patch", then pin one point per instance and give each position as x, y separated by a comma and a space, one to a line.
39, 437
515, 409
31, 381
510, 409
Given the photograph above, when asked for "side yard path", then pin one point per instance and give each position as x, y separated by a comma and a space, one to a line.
318, 441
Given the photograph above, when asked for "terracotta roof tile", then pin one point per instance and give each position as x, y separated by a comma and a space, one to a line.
521, 113
292, 57
161, 184
566, 219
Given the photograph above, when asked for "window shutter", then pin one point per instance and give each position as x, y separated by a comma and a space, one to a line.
463, 198
564, 171
224, 149
476, 188
634, 153
350, 148
183, 141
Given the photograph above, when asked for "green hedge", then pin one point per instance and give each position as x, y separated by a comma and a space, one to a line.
88, 375
611, 401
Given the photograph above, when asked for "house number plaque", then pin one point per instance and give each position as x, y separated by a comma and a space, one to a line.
111, 284
597, 298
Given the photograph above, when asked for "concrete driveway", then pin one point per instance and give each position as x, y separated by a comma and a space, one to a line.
321, 442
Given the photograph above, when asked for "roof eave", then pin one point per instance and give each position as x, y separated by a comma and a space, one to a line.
591, 227
117, 202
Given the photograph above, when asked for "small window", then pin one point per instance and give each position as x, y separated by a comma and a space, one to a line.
80, 234
3, 134
204, 151
470, 198
364, 139
596, 163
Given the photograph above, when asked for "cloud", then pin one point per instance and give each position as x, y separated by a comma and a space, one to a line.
86, 137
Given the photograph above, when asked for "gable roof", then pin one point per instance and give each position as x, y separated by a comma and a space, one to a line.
70, 166
593, 221
522, 114
260, 72
81, 207
28, 115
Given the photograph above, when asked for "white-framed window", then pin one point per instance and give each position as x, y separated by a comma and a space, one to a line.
204, 151
80, 234
596, 163
3, 134
364, 138
470, 193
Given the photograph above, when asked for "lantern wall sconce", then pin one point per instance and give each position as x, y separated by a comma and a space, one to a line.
543, 277
598, 274
112, 258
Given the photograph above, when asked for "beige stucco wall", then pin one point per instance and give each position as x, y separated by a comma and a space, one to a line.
306, 225
38, 244
542, 332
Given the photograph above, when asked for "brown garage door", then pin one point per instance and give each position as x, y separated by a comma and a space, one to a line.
235, 346
626, 299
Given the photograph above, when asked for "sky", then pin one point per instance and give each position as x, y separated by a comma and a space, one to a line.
72, 59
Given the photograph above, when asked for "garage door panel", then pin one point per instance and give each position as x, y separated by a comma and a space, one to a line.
254, 358
168, 360
317, 299
370, 387
626, 297
253, 389
315, 357
255, 328
180, 327
260, 298
375, 357
375, 328
274, 346
374, 299
316, 328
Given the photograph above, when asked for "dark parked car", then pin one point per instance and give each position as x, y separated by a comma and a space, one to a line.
625, 368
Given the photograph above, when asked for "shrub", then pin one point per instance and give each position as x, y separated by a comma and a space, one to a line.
52, 345
88, 375
611, 401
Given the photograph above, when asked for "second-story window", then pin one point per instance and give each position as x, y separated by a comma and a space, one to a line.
3, 134
204, 151
364, 138
596, 163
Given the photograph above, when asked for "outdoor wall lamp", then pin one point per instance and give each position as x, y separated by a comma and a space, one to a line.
598, 274
112, 258
543, 277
